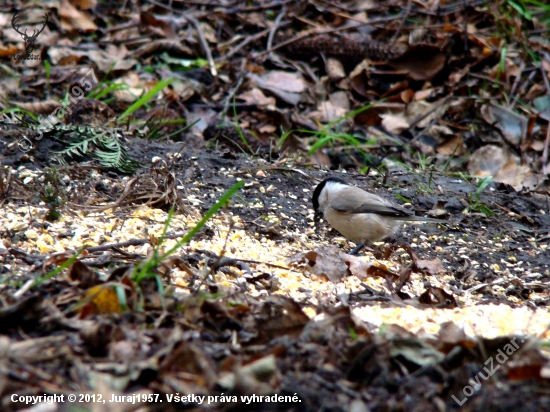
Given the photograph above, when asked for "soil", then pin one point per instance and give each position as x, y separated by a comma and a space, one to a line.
316, 360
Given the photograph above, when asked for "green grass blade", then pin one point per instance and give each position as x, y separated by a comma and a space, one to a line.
144, 99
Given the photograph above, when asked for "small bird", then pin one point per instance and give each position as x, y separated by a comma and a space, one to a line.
359, 216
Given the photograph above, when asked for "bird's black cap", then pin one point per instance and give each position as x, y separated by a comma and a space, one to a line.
319, 188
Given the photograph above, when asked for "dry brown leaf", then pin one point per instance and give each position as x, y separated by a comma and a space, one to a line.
45, 107
62, 56
286, 81
359, 79
512, 125
251, 377
335, 69
439, 209
135, 87
437, 297
512, 174
82, 275
208, 32
407, 95
286, 86
255, 96
423, 94
429, 111
357, 266
327, 112
432, 267
372, 117
487, 160
340, 99
114, 58
84, 4
326, 260
395, 123
452, 147
74, 19
281, 316
173, 47
170, 262
450, 335
530, 365
510, 70
89, 112
160, 27
421, 61
191, 359
8, 50
100, 299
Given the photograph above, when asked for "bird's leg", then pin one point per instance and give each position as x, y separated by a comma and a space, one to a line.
357, 249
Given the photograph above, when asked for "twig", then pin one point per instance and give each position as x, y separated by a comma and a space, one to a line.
545, 78
323, 31
524, 85
544, 158
289, 169
465, 27
224, 248
227, 261
234, 90
274, 28
271, 5
202, 39
516, 84
257, 262
131, 242
204, 45
487, 78
249, 39
401, 24
421, 117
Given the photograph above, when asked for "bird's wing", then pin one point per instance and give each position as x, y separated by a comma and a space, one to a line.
369, 203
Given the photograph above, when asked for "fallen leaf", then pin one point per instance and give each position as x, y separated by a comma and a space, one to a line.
513, 174
286, 86
255, 96
326, 112
452, 147
512, 125
73, 19
487, 160
335, 69
326, 260
439, 209
359, 79
395, 123
431, 267
421, 61
437, 297
357, 266
100, 299
286, 81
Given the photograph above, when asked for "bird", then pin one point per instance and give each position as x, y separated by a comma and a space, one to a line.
358, 215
